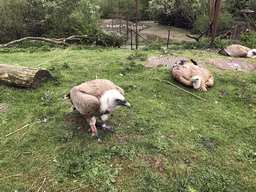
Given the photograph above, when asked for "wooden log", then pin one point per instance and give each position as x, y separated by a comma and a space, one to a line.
61, 41
23, 76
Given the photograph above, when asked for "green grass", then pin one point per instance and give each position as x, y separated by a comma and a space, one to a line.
168, 140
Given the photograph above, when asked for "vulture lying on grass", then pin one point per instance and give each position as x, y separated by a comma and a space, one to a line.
238, 51
97, 98
192, 74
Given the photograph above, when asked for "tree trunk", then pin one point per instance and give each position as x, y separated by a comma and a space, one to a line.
23, 76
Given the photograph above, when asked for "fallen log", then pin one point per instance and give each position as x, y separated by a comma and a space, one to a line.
23, 76
61, 41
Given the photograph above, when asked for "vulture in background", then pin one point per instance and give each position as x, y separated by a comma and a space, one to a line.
97, 98
238, 51
192, 74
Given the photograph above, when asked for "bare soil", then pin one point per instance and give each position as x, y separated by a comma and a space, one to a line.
231, 64
151, 31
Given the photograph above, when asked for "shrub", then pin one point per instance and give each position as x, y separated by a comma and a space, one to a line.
202, 23
109, 38
48, 18
248, 39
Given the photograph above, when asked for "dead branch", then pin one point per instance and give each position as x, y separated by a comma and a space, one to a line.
180, 88
18, 175
61, 41
226, 34
249, 20
197, 38
41, 185
16, 130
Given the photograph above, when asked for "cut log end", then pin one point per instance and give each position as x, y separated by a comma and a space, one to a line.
23, 76
40, 77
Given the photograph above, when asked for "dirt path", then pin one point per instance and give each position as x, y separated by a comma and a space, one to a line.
148, 30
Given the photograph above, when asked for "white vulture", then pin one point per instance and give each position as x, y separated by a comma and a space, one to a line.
238, 51
97, 98
192, 74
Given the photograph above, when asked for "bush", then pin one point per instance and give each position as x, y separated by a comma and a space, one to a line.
249, 39
174, 12
156, 45
202, 23
58, 19
109, 38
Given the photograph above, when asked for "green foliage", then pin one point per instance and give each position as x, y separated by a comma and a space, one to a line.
208, 143
246, 154
248, 39
89, 165
153, 183
156, 45
174, 12
11, 21
138, 55
109, 38
208, 179
219, 44
202, 23
56, 19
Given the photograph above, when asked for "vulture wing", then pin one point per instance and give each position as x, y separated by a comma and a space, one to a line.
235, 51
87, 105
183, 74
98, 87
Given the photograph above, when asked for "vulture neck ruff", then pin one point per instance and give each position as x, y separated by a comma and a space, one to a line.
197, 82
107, 101
251, 53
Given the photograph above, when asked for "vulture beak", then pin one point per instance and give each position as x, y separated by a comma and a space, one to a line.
193, 81
123, 102
126, 104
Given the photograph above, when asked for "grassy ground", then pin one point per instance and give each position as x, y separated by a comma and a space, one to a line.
168, 140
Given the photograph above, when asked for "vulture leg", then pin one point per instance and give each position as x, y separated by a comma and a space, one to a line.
104, 127
92, 123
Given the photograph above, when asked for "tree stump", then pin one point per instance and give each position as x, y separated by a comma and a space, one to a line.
23, 76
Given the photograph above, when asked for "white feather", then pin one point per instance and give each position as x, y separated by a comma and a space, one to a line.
197, 82
107, 100
250, 53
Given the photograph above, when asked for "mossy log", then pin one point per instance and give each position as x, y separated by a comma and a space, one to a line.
23, 76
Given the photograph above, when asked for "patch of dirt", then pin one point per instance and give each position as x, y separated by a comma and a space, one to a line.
163, 61
148, 30
3, 108
231, 64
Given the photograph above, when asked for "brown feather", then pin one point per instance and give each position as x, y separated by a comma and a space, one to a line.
85, 97
235, 51
185, 73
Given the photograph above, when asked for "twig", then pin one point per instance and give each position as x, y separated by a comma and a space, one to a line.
67, 49
197, 38
16, 130
181, 88
41, 185
18, 175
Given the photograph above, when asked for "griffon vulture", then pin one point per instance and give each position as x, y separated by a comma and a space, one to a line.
97, 98
192, 74
238, 51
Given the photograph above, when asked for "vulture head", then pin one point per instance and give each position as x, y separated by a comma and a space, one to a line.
196, 82
251, 53
111, 100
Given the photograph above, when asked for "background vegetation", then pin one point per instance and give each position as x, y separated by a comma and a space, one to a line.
62, 18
